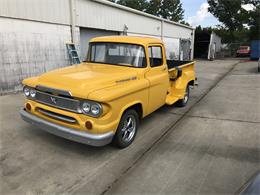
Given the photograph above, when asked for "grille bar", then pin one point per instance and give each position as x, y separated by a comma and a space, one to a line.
58, 102
57, 116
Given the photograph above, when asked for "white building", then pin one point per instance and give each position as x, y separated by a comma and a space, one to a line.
34, 33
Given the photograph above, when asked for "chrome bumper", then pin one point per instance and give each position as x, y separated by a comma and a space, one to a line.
67, 133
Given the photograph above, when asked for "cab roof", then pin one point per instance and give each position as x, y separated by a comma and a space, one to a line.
127, 39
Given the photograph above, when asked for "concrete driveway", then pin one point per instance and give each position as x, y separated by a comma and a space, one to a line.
210, 146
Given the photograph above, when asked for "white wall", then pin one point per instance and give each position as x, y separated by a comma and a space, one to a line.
28, 49
101, 16
174, 31
53, 11
214, 46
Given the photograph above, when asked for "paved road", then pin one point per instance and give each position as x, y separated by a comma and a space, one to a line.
208, 133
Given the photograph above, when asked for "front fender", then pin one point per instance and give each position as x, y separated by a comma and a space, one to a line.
122, 96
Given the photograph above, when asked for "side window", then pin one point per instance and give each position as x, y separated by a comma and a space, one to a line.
155, 56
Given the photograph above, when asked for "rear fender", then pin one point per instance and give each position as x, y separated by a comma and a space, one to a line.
178, 86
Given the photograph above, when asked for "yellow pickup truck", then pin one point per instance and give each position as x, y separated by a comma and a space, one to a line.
103, 99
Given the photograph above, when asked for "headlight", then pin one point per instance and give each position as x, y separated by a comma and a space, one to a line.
95, 109
26, 91
29, 92
86, 107
32, 93
91, 108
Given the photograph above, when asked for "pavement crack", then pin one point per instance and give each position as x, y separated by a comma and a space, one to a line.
223, 119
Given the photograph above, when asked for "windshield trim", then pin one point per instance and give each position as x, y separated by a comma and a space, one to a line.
90, 48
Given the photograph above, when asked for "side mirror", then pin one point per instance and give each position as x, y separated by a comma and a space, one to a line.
179, 72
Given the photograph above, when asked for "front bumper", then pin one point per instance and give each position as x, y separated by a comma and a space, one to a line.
67, 133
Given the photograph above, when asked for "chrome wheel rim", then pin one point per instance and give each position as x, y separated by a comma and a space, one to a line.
129, 128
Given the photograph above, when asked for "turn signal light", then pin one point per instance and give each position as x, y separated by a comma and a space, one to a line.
28, 107
88, 125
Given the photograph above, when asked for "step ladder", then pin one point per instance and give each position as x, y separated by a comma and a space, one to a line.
73, 54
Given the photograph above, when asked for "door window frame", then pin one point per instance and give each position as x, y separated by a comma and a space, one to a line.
162, 54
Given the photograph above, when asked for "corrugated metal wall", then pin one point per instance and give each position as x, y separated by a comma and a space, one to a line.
28, 49
91, 14
170, 30
54, 11
98, 15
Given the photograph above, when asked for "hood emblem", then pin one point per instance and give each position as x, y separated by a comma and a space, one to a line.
53, 99
125, 80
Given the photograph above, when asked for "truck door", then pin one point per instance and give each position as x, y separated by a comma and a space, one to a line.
157, 76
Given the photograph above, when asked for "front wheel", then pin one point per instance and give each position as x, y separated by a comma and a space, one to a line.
183, 102
127, 129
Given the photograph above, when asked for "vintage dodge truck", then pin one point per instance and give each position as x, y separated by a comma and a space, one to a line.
103, 99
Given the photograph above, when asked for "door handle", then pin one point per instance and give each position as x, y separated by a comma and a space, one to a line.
163, 69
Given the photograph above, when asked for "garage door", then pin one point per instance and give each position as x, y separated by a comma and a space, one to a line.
86, 34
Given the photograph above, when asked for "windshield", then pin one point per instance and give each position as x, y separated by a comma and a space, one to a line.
122, 54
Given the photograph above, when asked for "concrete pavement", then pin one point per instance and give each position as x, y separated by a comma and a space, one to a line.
33, 161
215, 149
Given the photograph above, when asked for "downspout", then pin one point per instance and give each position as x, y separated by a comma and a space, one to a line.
162, 24
73, 20
192, 44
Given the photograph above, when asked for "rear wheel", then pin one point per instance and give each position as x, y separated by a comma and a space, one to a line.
183, 102
127, 129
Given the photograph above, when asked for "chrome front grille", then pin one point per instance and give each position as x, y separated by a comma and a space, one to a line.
58, 101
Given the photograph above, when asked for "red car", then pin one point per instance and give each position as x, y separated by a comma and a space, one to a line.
243, 51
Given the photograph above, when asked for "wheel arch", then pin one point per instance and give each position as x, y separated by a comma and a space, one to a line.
137, 106
191, 83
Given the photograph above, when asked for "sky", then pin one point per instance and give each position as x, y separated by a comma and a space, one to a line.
196, 13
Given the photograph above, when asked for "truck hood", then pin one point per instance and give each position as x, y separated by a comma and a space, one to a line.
85, 78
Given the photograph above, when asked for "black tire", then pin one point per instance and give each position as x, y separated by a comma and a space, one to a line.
120, 139
183, 102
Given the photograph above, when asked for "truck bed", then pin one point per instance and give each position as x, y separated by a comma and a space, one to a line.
176, 63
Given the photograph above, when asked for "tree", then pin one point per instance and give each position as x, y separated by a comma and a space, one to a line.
235, 18
229, 13
153, 7
135, 4
171, 10
185, 23
253, 20
168, 9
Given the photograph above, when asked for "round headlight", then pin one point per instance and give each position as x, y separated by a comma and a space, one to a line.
95, 109
32, 93
86, 107
26, 91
